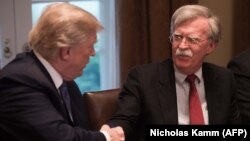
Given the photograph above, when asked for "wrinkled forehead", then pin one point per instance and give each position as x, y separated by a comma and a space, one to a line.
198, 25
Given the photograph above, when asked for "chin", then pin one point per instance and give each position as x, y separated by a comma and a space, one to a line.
78, 74
182, 61
182, 65
81, 72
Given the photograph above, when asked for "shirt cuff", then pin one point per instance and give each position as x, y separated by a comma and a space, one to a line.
106, 134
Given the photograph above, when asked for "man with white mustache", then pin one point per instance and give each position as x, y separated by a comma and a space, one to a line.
184, 52
161, 93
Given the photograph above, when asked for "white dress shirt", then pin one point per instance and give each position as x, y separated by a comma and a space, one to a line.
182, 91
55, 76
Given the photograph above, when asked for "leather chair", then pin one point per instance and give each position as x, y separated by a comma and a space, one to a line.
101, 105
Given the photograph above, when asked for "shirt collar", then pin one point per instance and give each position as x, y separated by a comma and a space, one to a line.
180, 77
56, 77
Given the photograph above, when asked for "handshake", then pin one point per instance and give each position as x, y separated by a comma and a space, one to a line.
113, 134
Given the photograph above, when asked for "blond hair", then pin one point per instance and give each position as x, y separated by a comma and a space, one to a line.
61, 25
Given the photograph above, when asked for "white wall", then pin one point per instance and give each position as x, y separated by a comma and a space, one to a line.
7, 31
15, 23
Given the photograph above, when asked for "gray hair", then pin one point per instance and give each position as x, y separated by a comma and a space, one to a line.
190, 12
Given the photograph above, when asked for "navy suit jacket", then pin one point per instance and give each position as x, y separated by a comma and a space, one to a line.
241, 67
149, 97
31, 108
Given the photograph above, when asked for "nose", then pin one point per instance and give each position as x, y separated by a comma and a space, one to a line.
184, 44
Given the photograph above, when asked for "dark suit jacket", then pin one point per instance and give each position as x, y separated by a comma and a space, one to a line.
241, 67
31, 107
149, 97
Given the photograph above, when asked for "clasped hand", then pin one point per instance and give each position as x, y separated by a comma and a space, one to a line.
115, 133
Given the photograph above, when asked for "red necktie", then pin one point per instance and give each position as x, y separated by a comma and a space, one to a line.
195, 111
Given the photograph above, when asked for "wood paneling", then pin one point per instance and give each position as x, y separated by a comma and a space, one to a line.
241, 26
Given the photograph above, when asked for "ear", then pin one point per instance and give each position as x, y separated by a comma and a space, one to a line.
64, 53
210, 48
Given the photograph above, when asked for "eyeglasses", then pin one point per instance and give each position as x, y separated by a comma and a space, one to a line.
176, 38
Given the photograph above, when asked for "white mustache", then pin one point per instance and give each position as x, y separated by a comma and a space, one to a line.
185, 52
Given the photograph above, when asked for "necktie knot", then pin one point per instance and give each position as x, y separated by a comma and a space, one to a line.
191, 78
64, 90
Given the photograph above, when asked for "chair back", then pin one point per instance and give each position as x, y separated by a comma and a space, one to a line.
101, 105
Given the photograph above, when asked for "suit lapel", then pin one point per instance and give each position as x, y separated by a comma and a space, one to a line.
212, 96
77, 107
52, 91
166, 93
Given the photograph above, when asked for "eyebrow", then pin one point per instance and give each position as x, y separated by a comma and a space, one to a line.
192, 35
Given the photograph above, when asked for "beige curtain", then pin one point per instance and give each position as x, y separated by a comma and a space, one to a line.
143, 30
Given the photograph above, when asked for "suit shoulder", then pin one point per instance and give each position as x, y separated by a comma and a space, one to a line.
217, 69
243, 56
21, 63
240, 63
23, 70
